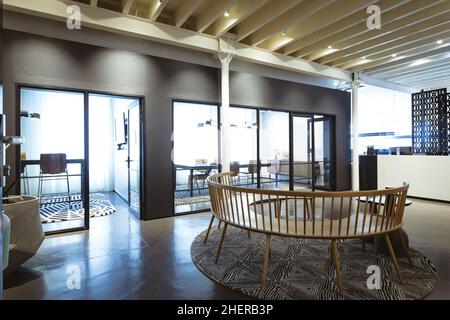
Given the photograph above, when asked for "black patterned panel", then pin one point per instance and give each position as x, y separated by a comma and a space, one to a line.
430, 116
448, 121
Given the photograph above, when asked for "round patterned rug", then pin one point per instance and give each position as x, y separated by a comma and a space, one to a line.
301, 269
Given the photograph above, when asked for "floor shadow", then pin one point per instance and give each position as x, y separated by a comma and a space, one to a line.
20, 277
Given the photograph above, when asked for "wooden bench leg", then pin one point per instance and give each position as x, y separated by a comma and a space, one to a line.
219, 225
209, 229
266, 259
337, 264
248, 233
221, 242
404, 247
393, 257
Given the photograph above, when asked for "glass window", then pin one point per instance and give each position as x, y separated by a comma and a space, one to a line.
274, 149
195, 154
243, 146
52, 155
384, 119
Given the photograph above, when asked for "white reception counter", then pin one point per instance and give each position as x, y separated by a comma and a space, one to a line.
428, 176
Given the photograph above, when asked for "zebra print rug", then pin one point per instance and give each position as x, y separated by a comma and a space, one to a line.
56, 209
300, 268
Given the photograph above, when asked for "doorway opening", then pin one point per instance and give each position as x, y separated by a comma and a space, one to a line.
114, 154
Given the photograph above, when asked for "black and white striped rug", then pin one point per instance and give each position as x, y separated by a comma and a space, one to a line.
300, 268
57, 209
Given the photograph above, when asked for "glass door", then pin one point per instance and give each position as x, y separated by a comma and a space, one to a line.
313, 152
324, 152
134, 162
303, 158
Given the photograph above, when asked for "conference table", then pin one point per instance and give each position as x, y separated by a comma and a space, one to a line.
208, 167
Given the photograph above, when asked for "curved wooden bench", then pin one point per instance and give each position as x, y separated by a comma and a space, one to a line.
305, 214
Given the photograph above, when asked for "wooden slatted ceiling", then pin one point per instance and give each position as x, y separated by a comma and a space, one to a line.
330, 32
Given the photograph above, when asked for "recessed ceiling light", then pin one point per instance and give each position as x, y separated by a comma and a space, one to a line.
330, 47
364, 58
283, 33
440, 41
394, 55
226, 14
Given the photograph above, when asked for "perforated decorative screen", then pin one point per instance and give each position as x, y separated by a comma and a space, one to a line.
431, 122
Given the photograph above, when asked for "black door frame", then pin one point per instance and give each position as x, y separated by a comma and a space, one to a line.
85, 166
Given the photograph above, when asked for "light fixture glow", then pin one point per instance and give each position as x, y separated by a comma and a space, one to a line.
440, 41
394, 55
226, 14
330, 47
283, 33
419, 62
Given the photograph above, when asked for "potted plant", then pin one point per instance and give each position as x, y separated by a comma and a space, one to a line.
371, 150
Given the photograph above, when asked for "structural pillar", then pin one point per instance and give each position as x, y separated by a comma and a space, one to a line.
225, 57
355, 133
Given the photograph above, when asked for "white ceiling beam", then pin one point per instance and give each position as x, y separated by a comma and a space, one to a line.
389, 33
441, 72
211, 13
390, 72
296, 14
326, 36
392, 20
385, 84
185, 10
420, 59
263, 16
412, 74
236, 13
348, 28
388, 56
127, 5
155, 8
406, 46
435, 82
94, 3
110, 21
328, 15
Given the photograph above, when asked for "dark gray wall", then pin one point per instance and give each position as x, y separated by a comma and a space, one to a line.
37, 60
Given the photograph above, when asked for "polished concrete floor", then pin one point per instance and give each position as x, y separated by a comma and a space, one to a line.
122, 258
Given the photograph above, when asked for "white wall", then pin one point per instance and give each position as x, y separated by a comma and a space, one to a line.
428, 176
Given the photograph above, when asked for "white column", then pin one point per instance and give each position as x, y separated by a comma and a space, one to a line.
355, 133
225, 59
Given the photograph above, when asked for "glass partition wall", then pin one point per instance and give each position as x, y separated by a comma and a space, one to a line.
62, 129
268, 149
243, 146
195, 154
52, 157
274, 149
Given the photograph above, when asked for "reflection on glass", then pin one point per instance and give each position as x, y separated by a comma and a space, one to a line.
243, 146
302, 135
195, 154
52, 156
274, 149
324, 170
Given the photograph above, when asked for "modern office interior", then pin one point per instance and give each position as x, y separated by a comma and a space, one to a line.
225, 149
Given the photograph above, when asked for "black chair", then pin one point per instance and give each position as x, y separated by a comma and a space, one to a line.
53, 166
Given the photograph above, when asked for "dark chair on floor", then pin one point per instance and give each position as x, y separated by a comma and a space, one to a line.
53, 166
